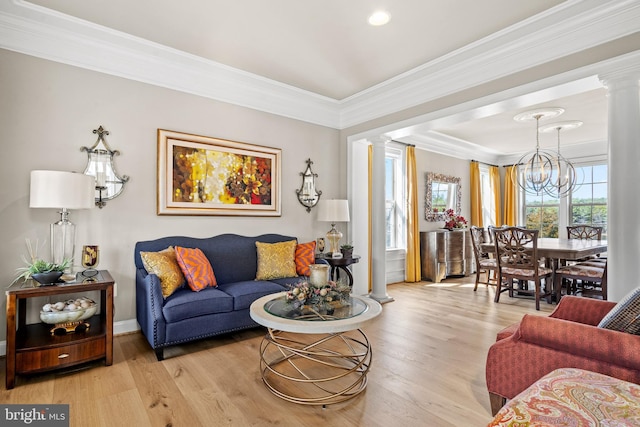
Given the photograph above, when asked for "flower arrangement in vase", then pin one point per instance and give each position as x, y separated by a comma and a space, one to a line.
324, 297
453, 221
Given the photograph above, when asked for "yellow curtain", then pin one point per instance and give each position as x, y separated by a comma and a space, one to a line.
494, 179
413, 273
476, 194
510, 206
370, 189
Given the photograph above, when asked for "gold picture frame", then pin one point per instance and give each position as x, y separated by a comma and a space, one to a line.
201, 175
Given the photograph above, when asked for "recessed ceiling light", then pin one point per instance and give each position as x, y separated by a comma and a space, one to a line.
379, 18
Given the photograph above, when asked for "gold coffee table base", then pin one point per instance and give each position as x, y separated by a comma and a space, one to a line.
315, 369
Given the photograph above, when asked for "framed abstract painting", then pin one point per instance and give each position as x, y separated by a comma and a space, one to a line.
201, 175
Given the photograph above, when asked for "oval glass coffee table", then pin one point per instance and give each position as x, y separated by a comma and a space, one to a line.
312, 358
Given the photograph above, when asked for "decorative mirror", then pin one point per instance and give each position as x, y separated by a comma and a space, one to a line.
443, 192
308, 196
100, 165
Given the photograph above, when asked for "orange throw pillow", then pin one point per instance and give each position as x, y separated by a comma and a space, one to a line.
305, 256
196, 268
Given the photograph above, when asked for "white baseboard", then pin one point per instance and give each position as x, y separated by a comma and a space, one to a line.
121, 327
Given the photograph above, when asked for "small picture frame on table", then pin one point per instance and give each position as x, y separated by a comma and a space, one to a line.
320, 245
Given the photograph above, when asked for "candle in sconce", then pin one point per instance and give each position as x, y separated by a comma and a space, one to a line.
100, 179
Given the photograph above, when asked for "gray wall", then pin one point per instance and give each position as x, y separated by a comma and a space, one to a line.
48, 111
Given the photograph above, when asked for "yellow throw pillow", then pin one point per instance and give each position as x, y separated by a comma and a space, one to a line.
276, 260
164, 265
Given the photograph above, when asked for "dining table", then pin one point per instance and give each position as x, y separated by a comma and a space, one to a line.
557, 251
563, 249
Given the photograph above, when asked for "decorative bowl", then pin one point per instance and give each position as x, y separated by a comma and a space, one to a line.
47, 278
50, 315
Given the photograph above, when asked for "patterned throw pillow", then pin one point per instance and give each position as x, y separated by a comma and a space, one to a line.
164, 265
196, 268
276, 260
305, 255
625, 316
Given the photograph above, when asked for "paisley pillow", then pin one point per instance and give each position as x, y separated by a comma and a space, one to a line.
196, 268
164, 265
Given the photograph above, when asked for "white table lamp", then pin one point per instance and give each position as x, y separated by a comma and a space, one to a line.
333, 211
62, 190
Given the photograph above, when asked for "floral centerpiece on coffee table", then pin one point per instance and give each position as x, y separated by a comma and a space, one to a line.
452, 220
319, 298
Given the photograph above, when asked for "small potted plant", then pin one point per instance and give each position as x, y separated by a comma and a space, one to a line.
41, 271
347, 250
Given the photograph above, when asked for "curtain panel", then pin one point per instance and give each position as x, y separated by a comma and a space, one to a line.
412, 270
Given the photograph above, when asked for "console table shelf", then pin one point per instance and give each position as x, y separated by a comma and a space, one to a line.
31, 348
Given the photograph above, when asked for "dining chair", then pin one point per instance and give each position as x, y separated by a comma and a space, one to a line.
584, 232
587, 278
484, 262
516, 252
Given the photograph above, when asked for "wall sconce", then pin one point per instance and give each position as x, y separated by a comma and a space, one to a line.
109, 184
308, 196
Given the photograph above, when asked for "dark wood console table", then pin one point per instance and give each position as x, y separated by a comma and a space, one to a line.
31, 348
339, 264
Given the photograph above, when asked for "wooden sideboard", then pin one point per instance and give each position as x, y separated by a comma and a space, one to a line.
445, 253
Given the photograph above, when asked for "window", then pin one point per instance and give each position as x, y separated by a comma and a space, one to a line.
542, 212
394, 198
488, 197
588, 204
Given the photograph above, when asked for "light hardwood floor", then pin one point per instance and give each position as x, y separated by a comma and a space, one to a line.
429, 353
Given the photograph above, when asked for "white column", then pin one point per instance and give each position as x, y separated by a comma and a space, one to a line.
623, 227
378, 223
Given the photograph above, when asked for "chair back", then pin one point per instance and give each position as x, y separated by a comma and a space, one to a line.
477, 239
584, 232
516, 248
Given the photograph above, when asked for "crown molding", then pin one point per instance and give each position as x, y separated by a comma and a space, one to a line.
440, 143
567, 28
47, 34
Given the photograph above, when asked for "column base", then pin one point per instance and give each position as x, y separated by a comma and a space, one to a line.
382, 299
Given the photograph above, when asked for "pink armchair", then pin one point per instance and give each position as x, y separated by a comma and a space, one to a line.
568, 338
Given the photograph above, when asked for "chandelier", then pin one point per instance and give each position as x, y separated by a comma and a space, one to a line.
544, 171
565, 178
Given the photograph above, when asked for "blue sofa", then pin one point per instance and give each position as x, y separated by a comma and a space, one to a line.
186, 315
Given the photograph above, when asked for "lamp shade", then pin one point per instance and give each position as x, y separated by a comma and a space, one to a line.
333, 210
61, 189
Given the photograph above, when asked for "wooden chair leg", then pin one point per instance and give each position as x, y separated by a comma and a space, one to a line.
497, 402
475, 288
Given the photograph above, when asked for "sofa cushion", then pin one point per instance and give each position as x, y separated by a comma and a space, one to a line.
245, 293
276, 260
185, 304
625, 316
288, 282
164, 265
305, 256
196, 268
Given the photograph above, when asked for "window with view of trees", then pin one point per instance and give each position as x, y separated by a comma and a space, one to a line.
588, 203
542, 213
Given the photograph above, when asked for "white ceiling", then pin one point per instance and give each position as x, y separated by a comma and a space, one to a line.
327, 48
